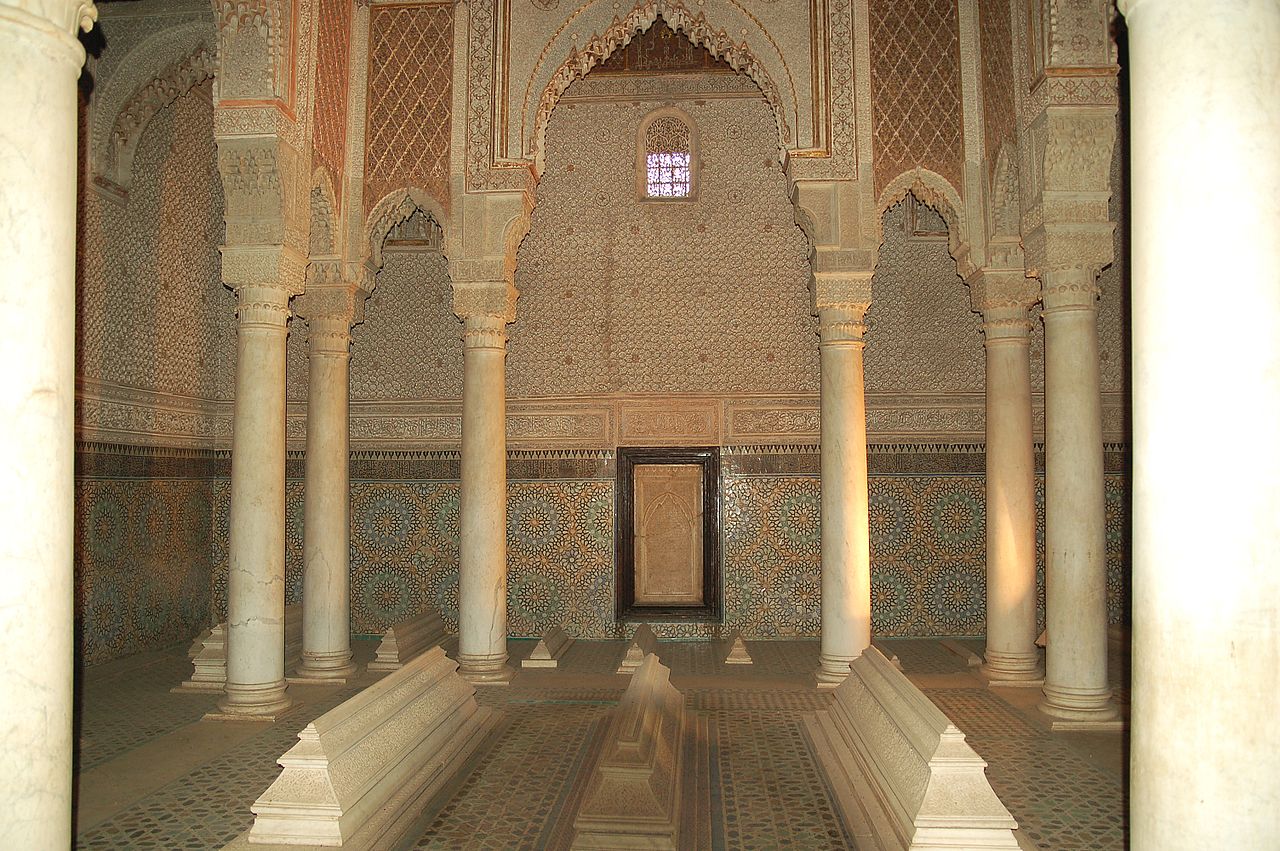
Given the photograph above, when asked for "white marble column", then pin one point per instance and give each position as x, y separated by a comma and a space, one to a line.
846, 548
1075, 686
39, 62
255, 576
1011, 655
482, 581
1205, 179
326, 596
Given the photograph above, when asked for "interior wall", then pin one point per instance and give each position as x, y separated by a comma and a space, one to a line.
154, 317
625, 295
618, 297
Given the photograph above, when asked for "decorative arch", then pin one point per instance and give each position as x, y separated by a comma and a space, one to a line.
937, 192
392, 209
324, 214
618, 34
161, 68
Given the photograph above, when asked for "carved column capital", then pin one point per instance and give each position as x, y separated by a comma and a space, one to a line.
330, 308
484, 331
1071, 288
262, 305
841, 289
256, 265
842, 324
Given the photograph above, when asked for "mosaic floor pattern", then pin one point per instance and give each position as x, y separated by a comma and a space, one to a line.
765, 788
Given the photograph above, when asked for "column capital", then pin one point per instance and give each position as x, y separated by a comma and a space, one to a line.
330, 310
65, 16
842, 323
995, 288
484, 331
1071, 288
262, 304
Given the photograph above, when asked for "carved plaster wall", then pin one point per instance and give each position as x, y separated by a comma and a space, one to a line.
915, 89
333, 52
410, 101
152, 312
622, 295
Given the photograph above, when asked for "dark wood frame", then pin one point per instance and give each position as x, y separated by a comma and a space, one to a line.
708, 457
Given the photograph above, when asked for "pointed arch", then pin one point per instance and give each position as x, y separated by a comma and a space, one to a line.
392, 209
160, 69
935, 191
765, 68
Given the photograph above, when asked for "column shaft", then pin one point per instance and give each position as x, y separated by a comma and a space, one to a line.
255, 576
846, 551
1206, 402
1011, 499
326, 599
1075, 529
482, 581
40, 62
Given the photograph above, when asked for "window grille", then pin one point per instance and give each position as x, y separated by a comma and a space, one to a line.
668, 158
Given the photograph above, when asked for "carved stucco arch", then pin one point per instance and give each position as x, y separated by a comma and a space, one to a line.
611, 33
158, 70
935, 191
392, 209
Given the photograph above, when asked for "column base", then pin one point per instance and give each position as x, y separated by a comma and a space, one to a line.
1078, 705
324, 668
832, 671
1017, 670
485, 670
255, 702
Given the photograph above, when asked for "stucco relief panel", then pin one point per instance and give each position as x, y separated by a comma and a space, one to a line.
620, 295
410, 101
333, 51
915, 89
153, 312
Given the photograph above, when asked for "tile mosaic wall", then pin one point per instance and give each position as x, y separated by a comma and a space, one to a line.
151, 547
143, 533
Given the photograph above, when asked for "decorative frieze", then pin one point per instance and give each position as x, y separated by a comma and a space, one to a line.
113, 414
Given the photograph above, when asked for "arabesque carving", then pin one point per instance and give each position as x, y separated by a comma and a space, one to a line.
157, 93
694, 27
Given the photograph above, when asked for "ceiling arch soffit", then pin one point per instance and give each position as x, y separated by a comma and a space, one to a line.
157, 71
756, 55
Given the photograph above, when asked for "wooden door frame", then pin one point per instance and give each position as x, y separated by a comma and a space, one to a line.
707, 457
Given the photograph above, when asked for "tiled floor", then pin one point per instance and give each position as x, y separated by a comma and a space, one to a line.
152, 775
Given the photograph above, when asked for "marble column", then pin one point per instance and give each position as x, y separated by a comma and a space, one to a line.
482, 581
1011, 655
326, 595
255, 576
1205, 180
1075, 686
846, 548
40, 59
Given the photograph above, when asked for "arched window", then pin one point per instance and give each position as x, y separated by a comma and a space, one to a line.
667, 150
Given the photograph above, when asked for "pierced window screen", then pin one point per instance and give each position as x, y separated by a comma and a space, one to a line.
666, 143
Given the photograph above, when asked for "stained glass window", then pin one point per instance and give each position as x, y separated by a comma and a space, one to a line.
667, 158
